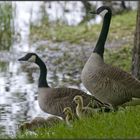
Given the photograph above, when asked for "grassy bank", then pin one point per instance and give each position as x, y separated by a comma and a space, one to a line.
120, 57
122, 27
6, 25
121, 124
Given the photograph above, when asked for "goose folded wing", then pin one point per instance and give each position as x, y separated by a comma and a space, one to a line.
67, 95
120, 76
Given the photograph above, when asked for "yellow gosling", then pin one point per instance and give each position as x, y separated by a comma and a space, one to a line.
69, 115
82, 111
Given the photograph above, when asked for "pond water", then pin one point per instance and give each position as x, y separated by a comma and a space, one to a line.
18, 81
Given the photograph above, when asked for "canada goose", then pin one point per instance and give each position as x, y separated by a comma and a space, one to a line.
107, 83
81, 110
69, 116
54, 100
40, 122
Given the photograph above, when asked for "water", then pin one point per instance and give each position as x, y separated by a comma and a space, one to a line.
18, 81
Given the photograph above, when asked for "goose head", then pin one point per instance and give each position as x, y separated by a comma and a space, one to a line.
30, 57
33, 57
103, 10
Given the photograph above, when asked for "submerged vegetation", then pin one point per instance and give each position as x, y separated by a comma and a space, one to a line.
3, 66
6, 25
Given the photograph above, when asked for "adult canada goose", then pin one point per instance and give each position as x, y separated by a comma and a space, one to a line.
69, 116
109, 84
54, 100
40, 122
81, 110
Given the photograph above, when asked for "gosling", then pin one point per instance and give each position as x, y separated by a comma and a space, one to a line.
69, 116
40, 122
82, 111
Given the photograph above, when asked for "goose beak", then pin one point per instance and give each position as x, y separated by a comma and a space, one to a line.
22, 59
93, 12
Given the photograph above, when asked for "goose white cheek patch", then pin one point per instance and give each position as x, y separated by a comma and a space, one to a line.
103, 13
32, 58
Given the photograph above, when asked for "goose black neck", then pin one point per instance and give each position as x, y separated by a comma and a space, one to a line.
99, 48
43, 73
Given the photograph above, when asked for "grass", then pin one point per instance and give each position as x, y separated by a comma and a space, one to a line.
122, 27
119, 57
122, 124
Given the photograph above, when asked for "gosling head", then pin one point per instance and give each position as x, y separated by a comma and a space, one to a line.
78, 99
67, 110
30, 57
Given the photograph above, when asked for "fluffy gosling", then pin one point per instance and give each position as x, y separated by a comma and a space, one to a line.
40, 122
69, 115
82, 111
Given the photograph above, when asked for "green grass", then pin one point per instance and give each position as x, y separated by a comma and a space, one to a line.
122, 124
122, 27
119, 57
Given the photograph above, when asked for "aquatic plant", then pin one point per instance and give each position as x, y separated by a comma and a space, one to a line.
6, 25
